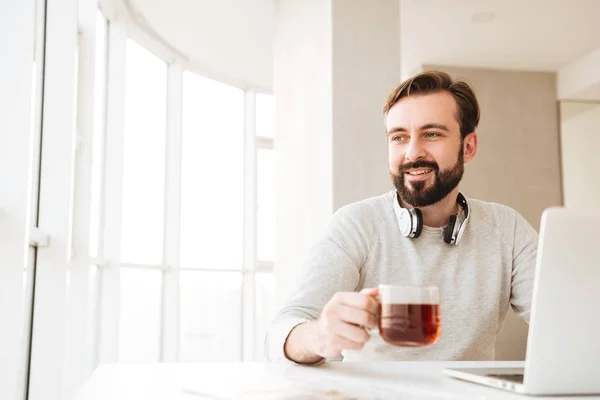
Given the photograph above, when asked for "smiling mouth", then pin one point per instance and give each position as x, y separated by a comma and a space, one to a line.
419, 172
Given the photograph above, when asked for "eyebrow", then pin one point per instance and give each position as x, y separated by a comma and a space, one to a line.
442, 127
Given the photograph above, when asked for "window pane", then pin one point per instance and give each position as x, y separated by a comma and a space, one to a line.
139, 320
98, 139
265, 115
211, 319
93, 315
265, 310
265, 222
212, 174
144, 156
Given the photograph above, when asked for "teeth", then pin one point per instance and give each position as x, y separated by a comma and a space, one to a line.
420, 172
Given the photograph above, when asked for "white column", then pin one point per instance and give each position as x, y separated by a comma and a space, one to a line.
303, 89
250, 207
110, 248
170, 290
335, 63
80, 351
17, 38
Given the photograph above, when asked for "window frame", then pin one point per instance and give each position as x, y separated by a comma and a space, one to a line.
121, 29
22, 38
56, 287
65, 319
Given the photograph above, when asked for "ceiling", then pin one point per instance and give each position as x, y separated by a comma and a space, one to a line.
232, 39
542, 35
235, 37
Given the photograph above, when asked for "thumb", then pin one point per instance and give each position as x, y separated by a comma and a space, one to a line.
370, 291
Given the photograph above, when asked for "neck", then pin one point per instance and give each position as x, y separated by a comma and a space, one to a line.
437, 215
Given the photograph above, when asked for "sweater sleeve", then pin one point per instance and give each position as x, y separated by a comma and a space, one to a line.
524, 263
332, 265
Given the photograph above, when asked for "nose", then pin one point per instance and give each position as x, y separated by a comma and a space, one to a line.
414, 151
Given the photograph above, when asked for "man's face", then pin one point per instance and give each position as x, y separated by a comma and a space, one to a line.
426, 153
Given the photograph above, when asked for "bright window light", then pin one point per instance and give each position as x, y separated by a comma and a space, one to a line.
139, 320
265, 310
98, 138
211, 316
212, 174
144, 156
265, 115
265, 218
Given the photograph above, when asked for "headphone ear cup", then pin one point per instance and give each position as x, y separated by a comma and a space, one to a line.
418, 219
449, 229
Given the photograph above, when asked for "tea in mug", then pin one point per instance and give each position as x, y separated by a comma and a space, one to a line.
409, 315
410, 324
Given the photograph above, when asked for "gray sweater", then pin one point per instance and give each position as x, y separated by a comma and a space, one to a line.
491, 268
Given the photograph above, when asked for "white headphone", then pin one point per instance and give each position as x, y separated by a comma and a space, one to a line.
410, 221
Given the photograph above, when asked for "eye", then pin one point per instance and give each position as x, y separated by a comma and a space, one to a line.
398, 138
432, 135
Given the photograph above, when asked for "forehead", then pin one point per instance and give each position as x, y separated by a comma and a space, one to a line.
424, 109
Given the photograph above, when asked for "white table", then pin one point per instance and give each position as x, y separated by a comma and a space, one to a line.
333, 380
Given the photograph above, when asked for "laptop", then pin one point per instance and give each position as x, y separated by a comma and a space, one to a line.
563, 348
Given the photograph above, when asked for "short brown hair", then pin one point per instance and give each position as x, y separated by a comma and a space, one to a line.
438, 81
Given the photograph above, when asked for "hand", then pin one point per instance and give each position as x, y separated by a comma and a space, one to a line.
344, 320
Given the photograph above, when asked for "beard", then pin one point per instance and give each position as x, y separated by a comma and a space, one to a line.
416, 194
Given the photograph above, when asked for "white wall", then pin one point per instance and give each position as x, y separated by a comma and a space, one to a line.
366, 57
580, 79
580, 136
303, 144
335, 63
518, 131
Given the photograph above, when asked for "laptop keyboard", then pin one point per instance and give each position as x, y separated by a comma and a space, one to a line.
517, 378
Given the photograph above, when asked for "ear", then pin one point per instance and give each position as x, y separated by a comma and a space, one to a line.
470, 146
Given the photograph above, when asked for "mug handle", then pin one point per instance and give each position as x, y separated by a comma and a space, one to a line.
371, 292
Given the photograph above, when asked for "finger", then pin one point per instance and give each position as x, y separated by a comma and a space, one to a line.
358, 300
350, 332
374, 292
356, 316
342, 343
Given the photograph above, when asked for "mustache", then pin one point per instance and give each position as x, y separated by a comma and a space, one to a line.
419, 164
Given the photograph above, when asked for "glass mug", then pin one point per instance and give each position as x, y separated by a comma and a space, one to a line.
409, 315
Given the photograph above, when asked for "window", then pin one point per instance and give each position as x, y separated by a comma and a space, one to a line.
266, 207
265, 309
212, 195
265, 115
144, 156
211, 316
212, 174
195, 273
139, 321
142, 214
264, 283
178, 171
96, 185
21, 38
98, 136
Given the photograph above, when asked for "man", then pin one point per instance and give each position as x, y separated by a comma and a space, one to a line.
481, 264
